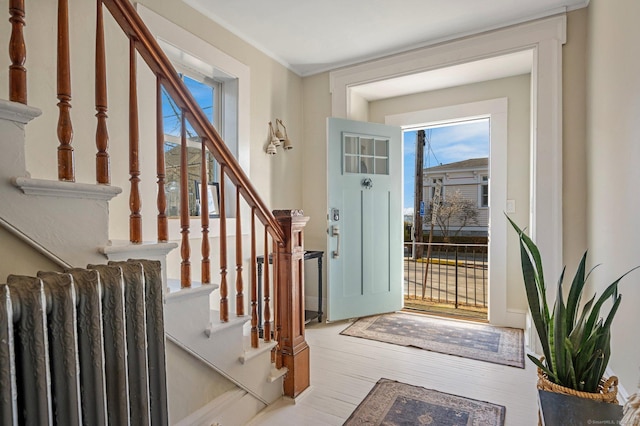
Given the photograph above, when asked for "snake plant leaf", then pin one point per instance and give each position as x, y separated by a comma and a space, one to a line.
550, 374
571, 373
610, 291
534, 287
575, 292
577, 335
559, 332
612, 312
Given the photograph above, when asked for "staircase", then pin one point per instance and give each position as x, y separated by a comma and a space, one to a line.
68, 223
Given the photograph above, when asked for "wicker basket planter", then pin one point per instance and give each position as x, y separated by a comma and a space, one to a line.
607, 390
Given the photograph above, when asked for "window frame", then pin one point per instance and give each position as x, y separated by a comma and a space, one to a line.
484, 183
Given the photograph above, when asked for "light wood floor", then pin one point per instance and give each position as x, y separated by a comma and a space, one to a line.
344, 369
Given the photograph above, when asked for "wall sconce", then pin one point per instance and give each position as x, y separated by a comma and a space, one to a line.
286, 141
276, 138
274, 142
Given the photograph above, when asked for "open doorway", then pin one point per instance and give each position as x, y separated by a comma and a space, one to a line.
446, 218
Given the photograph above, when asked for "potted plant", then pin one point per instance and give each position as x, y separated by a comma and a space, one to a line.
576, 341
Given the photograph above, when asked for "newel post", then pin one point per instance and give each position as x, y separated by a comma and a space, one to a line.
290, 296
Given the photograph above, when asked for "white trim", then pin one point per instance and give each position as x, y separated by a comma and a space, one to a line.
17, 112
545, 37
61, 189
496, 111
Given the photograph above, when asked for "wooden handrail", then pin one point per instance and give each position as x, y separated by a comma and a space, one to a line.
128, 19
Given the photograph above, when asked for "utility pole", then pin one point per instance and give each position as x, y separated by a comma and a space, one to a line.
418, 203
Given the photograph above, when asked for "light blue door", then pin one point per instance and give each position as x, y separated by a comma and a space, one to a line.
364, 219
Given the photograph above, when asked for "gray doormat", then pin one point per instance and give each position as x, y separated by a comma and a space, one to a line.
395, 403
500, 345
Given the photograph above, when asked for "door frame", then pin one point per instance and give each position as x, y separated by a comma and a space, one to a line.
545, 38
496, 111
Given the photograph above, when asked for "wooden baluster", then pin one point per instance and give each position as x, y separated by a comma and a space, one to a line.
276, 355
266, 315
163, 223
224, 302
103, 174
254, 282
204, 215
66, 162
239, 283
17, 53
185, 250
135, 204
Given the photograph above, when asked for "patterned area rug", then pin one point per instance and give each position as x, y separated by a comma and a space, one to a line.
392, 403
484, 342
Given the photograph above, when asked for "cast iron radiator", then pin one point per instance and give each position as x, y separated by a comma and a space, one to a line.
84, 347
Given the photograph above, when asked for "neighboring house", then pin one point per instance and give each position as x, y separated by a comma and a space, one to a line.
468, 177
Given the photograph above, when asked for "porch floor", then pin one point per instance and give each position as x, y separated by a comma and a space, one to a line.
344, 369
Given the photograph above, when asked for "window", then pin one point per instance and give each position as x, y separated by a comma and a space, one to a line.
366, 155
206, 92
484, 192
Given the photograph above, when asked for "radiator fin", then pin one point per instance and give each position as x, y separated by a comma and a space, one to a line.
31, 350
115, 359
63, 346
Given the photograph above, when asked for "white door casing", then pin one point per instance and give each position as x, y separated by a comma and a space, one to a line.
496, 111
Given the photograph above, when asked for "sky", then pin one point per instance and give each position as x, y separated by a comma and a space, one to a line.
202, 93
448, 144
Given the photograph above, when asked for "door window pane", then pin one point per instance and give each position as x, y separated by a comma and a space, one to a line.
382, 166
350, 145
365, 155
382, 148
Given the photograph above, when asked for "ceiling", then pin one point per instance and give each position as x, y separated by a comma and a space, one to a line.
310, 37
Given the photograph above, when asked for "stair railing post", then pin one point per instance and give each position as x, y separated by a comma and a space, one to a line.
290, 301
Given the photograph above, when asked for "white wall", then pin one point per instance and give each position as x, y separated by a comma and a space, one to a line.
613, 154
19, 258
191, 384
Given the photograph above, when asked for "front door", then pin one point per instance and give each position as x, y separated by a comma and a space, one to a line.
364, 219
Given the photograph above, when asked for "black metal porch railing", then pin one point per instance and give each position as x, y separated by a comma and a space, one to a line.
453, 274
